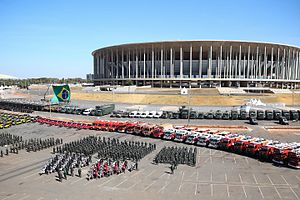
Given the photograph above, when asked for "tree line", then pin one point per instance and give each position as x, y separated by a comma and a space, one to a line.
25, 83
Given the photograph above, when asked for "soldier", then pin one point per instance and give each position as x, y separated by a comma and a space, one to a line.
65, 174
79, 172
60, 175
172, 169
1, 153
6, 151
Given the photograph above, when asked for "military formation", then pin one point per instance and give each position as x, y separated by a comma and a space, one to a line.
66, 164
113, 157
176, 155
14, 143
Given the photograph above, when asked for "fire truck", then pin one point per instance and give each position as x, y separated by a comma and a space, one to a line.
181, 135
240, 145
227, 143
203, 140
266, 152
294, 158
158, 132
138, 128
193, 138
169, 134
147, 129
130, 127
281, 153
253, 147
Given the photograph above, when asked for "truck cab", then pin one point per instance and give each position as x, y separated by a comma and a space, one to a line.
294, 158
181, 135
169, 134
281, 153
240, 145
193, 138
227, 142
214, 141
253, 147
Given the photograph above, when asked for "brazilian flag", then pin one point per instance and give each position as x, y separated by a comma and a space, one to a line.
62, 92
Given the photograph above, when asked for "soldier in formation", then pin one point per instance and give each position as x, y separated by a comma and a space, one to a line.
177, 155
14, 144
113, 156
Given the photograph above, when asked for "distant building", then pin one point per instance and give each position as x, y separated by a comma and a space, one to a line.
4, 76
89, 77
199, 64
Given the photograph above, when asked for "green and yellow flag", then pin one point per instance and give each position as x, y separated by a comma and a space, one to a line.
62, 92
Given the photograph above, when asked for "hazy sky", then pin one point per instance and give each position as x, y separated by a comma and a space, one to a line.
55, 38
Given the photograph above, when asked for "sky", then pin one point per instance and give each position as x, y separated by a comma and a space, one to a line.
55, 38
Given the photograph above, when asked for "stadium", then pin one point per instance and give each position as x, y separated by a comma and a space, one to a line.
199, 64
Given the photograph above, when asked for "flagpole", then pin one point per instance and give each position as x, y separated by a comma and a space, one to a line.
50, 103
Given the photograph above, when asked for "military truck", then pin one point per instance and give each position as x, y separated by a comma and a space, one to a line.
269, 114
200, 115
243, 114
226, 115
260, 114
218, 114
286, 114
234, 114
252, 114
184, 112
277, 114
294, 115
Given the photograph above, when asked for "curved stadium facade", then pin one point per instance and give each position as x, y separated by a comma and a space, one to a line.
198, 64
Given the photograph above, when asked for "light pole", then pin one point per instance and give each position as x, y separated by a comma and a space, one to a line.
189, 107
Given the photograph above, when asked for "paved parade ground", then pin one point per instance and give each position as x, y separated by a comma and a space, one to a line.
217, 175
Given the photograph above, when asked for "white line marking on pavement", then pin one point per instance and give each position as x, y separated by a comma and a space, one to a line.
254, 177
241, 178
227, 187
151, 173
121, 183
210, 158
277, 192
196, 188
294, 193
226, 178
261, 192
163, 188
270, 179
247, 161
234, 160
146, 188
244, 191
211, 190
211, 176
284, 179
297, 177
40, 198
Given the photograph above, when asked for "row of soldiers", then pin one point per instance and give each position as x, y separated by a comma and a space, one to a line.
108, 148
177, 155
7, 139
78, 154
16, 143
66, 164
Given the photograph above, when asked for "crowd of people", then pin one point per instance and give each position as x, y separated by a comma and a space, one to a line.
13, 144
112, 157
176, 155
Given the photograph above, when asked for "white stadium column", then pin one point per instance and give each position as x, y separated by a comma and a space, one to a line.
152, 63
283, 66
220, 62
144, 63
129, 71
191, 60
117, 76
277, 69
257, 63
200, 62
272, 60
230, 61
161, 61
240, 62
136, 63
122, 64
265, 63
248, 63
181, 62
171, 65
288, 66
